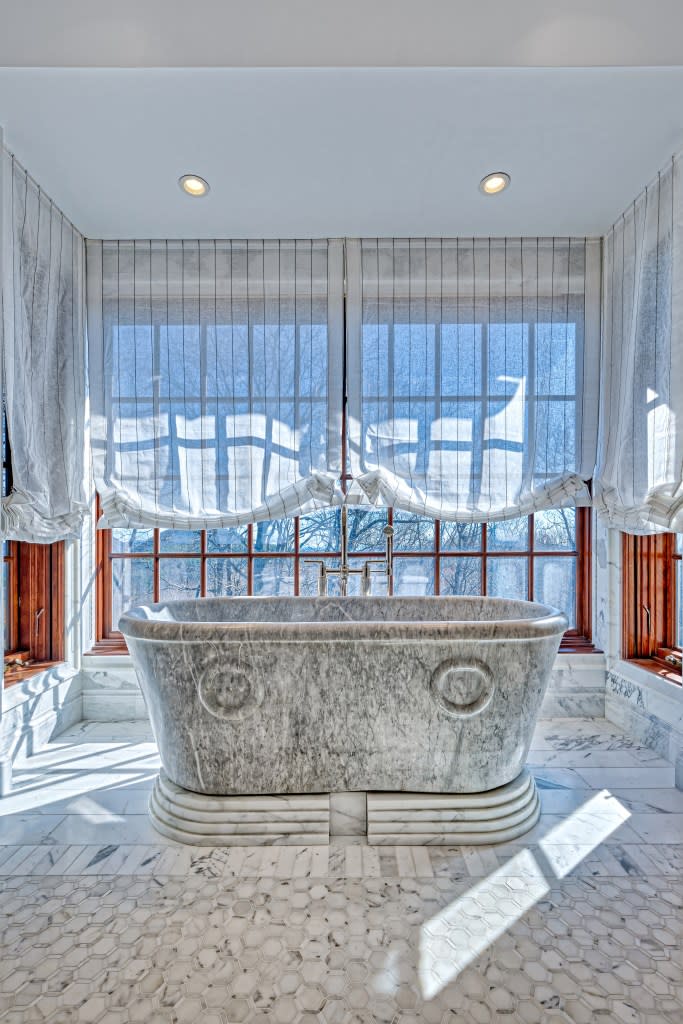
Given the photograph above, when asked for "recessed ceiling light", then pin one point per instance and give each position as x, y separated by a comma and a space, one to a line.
193, 185
494, 182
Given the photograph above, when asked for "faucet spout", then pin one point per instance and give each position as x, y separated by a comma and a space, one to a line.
384, 566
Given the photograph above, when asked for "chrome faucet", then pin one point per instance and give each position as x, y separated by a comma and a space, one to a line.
384, 566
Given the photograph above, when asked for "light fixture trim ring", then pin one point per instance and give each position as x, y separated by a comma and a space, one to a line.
500, 178
184, 182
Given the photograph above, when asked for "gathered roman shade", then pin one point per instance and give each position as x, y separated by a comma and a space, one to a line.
639, 473
215, 379
43, 346
472, 374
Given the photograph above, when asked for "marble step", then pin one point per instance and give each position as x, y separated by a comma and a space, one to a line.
201, 820
469, 819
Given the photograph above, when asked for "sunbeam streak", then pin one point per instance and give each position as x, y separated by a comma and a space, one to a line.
452, 939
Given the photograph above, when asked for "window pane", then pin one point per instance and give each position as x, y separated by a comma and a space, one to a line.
511, 535
132, 541
460, 576
232, 539
507, 577
413, 576
5, 604
555, 529
555, 584
413, 533
179, 579
226, 577
132, 584
273, 576
276, 535
379, 584
179, 540
460, 536
308, 578
679, 598
365, 529
319, 531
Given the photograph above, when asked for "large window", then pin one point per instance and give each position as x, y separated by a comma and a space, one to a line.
545, 557
652, 615
33, 581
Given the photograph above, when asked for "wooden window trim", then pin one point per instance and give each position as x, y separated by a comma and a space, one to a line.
649, 604
37, 601
575, 641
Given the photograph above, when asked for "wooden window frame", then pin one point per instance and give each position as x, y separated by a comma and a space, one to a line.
649, 604
578, 640
34, 597
35, 605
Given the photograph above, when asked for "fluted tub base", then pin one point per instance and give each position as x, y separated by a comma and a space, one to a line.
415, 819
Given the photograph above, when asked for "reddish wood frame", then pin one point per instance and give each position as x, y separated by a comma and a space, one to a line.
578, 640
649, 603
36, 609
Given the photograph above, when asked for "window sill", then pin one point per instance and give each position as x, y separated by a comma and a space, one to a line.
19, 672
107, 648
657, 667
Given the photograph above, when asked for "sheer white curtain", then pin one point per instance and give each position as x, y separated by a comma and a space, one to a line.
43, 343
215, 379
472, 374
639, 474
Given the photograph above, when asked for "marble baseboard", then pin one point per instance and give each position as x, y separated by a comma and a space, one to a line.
199, 820
114, 706
576, 688
38, 709
649, 709
471, 819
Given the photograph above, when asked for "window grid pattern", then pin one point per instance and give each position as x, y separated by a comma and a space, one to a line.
430, 558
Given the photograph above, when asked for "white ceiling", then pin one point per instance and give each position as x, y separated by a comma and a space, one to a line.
330, 33
342, 152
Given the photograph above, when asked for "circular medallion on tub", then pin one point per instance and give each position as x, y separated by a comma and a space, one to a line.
462, 689
230, 693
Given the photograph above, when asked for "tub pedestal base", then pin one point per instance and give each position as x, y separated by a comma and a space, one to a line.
238, 820
393, 819
450, 819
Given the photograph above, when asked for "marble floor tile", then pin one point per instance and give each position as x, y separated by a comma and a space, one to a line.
580, 921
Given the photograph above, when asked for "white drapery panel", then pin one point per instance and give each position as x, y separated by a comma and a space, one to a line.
43, 341
215, 379
639, 474
472, 374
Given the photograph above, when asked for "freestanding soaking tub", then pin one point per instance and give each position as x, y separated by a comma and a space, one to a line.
261, 707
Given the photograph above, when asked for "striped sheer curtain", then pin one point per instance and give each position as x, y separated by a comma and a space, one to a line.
639, 475
472, 374
43, 346
215, 379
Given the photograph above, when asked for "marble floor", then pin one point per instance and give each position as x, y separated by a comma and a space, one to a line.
102, 920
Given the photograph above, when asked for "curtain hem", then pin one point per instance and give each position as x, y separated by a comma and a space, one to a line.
20, 521
383, 489
121, 510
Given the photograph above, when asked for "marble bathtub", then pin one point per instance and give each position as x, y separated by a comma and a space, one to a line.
273, 698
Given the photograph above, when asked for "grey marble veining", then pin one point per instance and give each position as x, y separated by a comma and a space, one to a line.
295, 695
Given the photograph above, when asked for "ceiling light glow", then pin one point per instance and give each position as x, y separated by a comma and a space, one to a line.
193, 185
494, 182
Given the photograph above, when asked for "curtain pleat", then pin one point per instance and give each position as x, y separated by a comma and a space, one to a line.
215, 380
472, 374
43, 340
639, 473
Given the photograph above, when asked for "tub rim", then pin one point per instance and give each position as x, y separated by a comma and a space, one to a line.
136, 624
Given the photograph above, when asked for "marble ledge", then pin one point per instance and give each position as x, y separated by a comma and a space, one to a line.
35, 687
